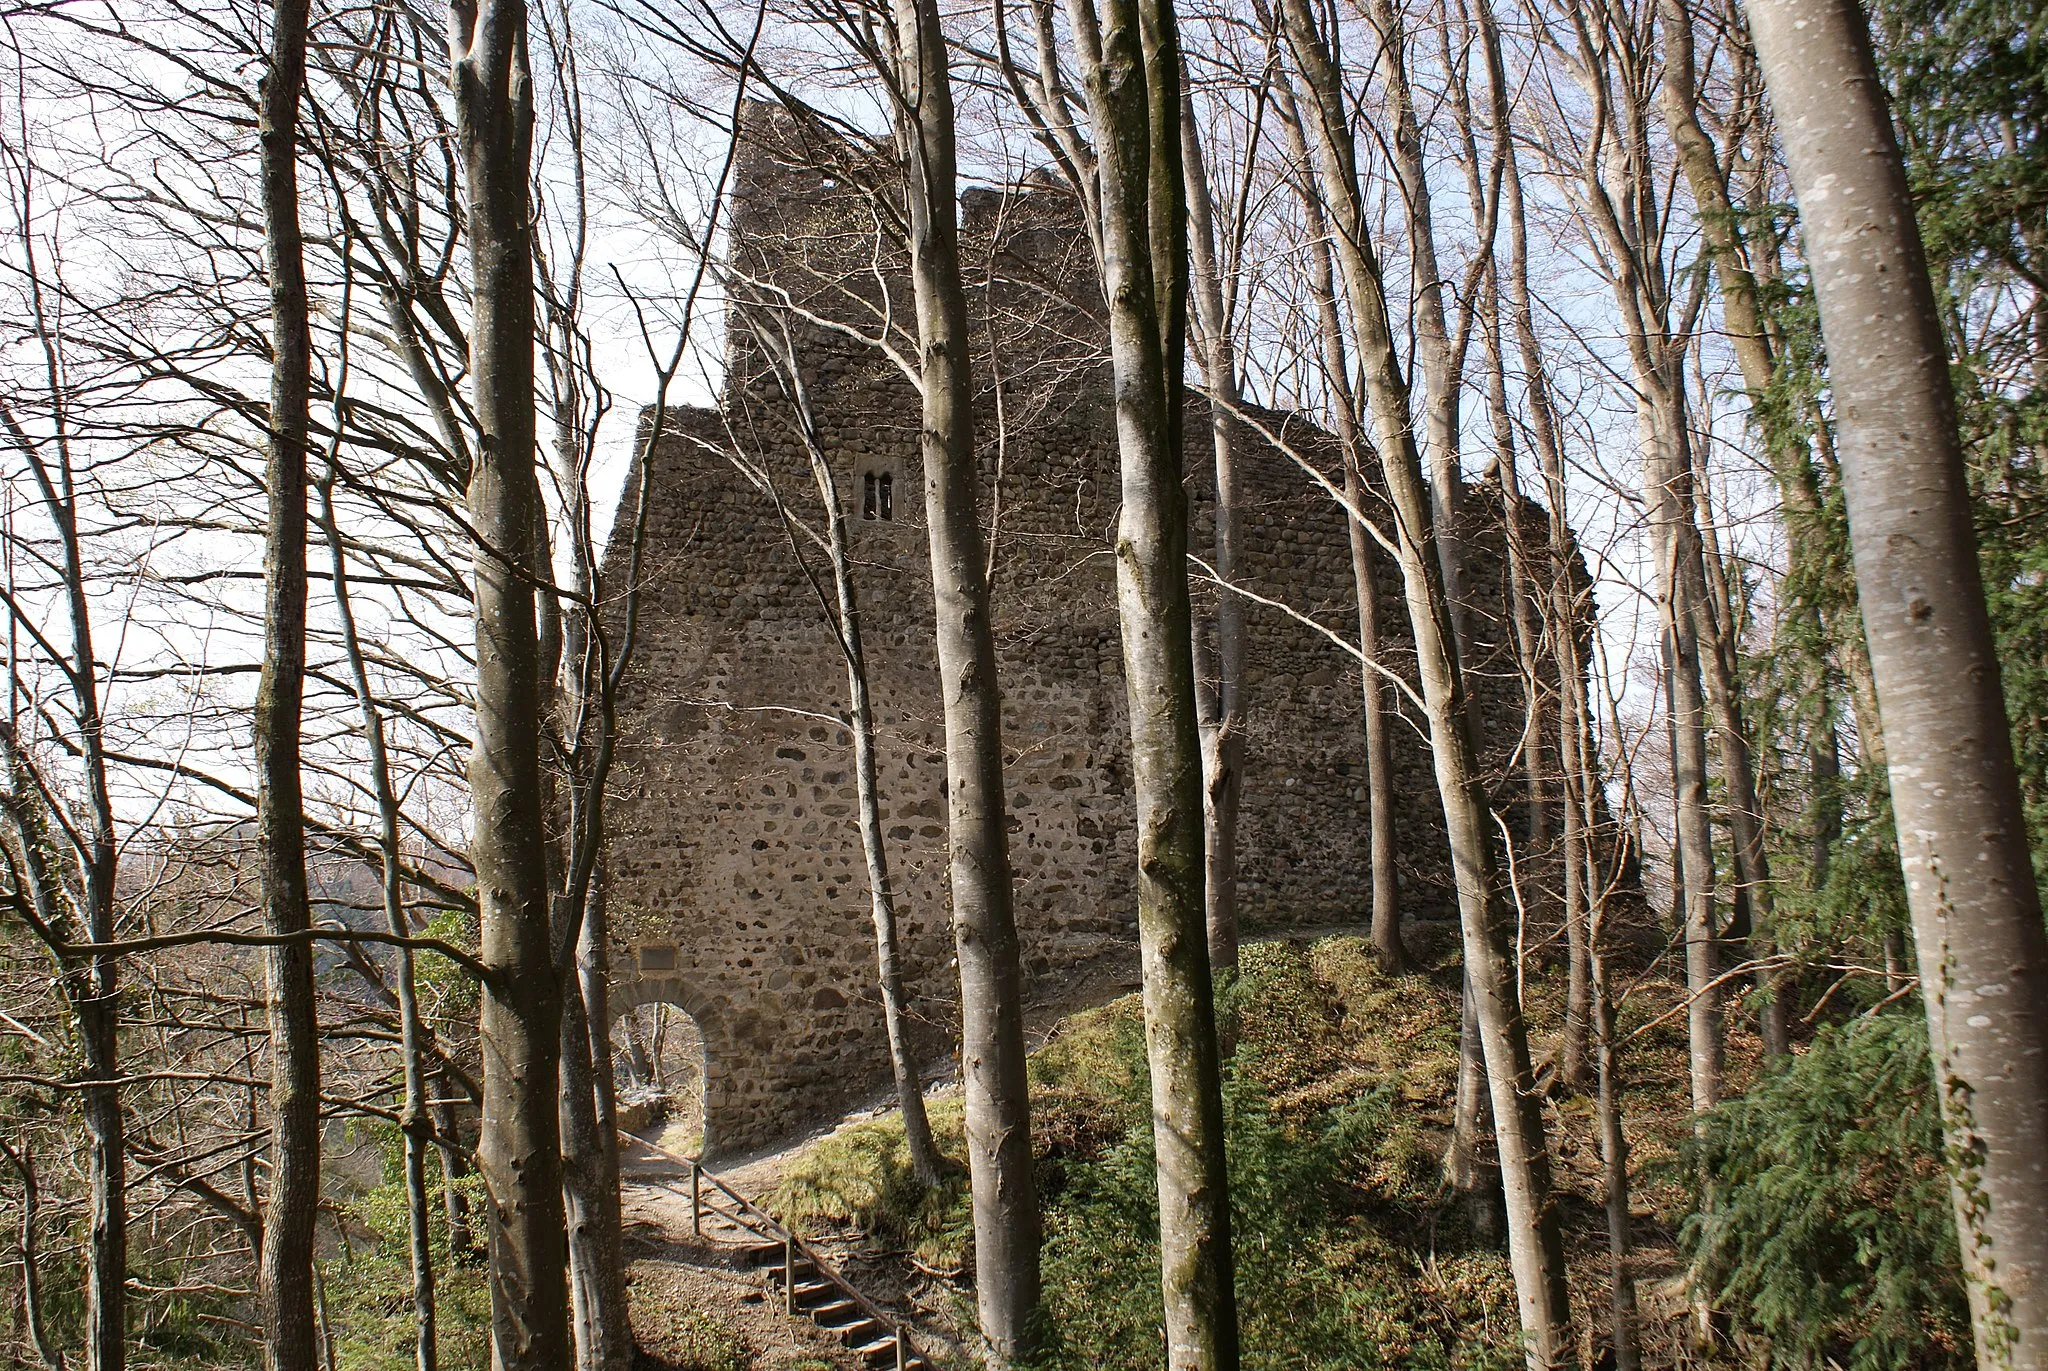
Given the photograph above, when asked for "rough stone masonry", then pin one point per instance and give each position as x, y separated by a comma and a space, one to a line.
736, 882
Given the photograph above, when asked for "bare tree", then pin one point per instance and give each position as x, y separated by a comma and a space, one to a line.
843, 612
1351, 425
1128, 53
1962, 836
519, 1149
1534, 1242
1222, 704
998, 1117
286, 1275
1619, 186
65, 867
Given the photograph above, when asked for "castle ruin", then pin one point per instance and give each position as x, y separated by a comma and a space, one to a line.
736, 882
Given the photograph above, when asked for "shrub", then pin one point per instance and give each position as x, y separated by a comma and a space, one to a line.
1822, 1225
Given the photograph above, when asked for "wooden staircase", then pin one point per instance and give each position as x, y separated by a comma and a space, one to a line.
808, 1283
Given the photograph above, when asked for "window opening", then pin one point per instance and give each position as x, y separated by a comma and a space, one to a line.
867, 497
888, 496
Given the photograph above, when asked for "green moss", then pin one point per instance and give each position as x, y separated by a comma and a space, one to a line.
861, 1176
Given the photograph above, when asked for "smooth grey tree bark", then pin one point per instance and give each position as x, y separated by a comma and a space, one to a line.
1223, 728
1130, 64
416, 1121
520, 1021
1790, 461
1440, 360
1584, 889
1955, 793
1621, 1279
1674, 539
992, 1057
285, 1264
1626, 218
1535, 1244
578, 672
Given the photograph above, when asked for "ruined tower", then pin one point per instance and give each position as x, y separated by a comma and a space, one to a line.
736, 882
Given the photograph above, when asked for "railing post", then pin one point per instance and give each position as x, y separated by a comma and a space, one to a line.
902, 1349
788, 1274
696, 1210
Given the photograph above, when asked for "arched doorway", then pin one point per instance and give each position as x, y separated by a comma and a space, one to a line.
658, 1065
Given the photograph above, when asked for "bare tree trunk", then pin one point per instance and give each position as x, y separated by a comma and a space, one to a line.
590, 1153
1434, 355
998, 1106
917, 1127
1216, 351
1527, 604
415, 1120
519, 1146
1613, 1160
1535, 1243
1130, 63
454, 1166
1674, 536
23, 1163
1745, 811
1523, 603
925, 1162
590, 1189
1379, 750
1696, 157
1962, 835
576, 675
91, 980
1441, 366
1379, 755
106, 1178
285, 1266
1562, 608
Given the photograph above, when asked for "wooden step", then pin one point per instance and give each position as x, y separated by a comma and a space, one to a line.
833, 1313
812, 1291
882, 1352
762, 1254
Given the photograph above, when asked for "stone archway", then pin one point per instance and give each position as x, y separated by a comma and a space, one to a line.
682, 1053
658, 1064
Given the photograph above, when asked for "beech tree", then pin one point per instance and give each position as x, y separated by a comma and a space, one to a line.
997, 1095
1128, 55
1535, 1245
288, 1221
1969, 880
519, 1148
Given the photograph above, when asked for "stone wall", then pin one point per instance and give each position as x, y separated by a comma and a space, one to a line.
736, 880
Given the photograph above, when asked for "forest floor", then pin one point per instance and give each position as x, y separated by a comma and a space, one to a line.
696, 1309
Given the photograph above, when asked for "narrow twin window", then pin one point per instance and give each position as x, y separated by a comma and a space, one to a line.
878, 496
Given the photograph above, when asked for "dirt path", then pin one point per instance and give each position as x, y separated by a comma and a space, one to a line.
696, 1305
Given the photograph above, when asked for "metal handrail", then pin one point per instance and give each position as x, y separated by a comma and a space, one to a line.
749, 1215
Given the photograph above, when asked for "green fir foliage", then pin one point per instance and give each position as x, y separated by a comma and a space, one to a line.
1821, 1221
